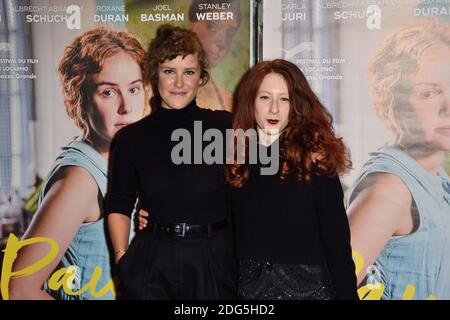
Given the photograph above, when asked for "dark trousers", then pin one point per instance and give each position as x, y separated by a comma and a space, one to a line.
171, 267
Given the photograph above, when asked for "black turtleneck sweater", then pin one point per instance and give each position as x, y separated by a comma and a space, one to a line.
173, 193
294, 222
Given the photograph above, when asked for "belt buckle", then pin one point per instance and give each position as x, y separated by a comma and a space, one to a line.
181, 226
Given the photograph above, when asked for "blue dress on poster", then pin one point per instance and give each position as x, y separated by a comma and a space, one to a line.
422, 258
89, 248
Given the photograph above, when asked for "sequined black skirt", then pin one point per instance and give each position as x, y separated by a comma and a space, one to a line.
267, 281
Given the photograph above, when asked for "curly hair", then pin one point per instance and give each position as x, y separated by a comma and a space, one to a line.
84, 58
169, 43
309, 129
396, 59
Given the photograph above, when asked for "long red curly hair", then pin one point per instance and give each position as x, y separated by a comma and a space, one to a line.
309, 130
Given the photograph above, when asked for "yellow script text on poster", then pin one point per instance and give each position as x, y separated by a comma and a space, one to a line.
63, 277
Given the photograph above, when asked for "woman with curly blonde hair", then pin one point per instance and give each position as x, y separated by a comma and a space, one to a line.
400, 203
102, 80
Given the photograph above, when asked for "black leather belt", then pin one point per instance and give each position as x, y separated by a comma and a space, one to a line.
186, 229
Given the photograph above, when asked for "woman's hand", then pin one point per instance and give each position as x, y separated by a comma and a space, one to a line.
119, 230
118, 254
142, 218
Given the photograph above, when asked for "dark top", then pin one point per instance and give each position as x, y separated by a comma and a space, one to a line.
173, 193
295, 223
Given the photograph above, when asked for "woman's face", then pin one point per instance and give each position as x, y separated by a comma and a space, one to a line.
178, 81
216, 37
272, 104
118, 97
430, 98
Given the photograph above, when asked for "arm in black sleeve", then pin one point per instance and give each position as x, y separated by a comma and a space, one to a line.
122, 189
335, 235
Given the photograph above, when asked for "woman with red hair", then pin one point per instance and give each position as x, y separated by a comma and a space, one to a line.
292, 234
